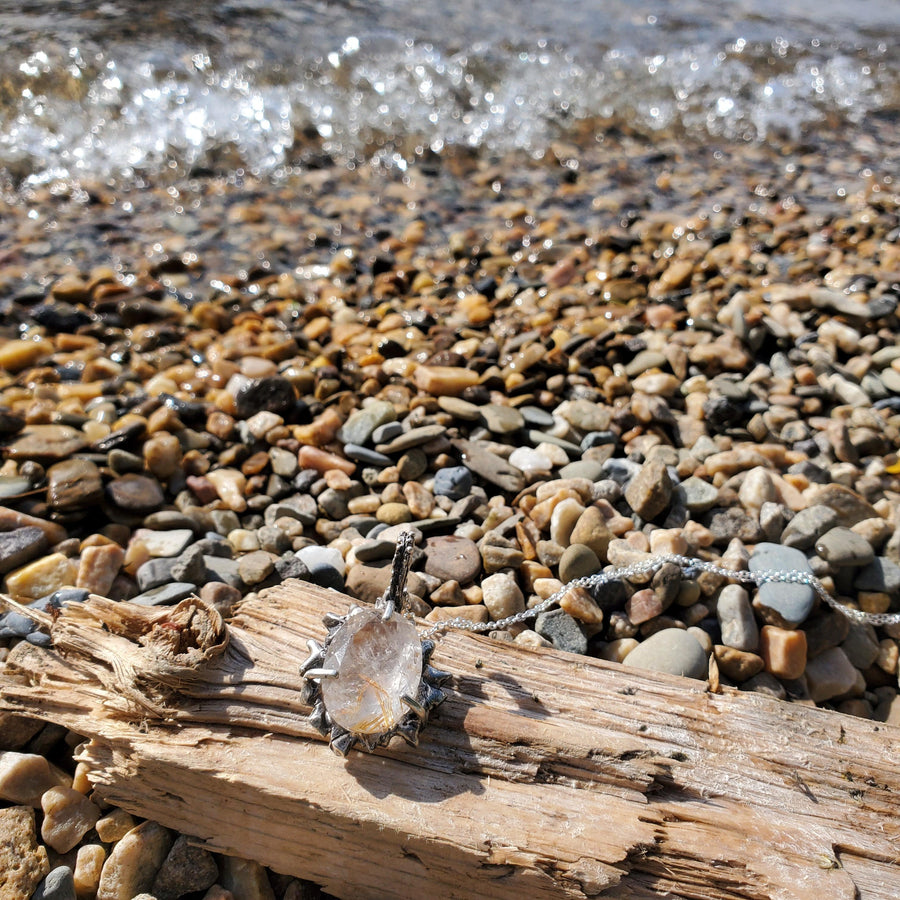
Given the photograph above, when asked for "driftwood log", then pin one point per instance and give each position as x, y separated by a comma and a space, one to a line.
542, 775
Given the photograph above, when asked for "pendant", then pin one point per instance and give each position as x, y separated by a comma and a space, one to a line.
371, 680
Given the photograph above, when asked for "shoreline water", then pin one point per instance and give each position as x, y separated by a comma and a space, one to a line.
729, 315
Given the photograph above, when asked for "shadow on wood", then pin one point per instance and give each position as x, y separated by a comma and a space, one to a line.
543, 775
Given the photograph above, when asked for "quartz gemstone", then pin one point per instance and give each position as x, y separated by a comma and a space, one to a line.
378, 663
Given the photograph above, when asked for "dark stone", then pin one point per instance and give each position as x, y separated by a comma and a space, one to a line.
273, 394
136, 493
187, 869
165, 594
326, 576
563, 631
73, 484
128, 434
454, 482
725, 524
20, 546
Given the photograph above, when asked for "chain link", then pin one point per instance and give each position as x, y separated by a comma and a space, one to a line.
646, 567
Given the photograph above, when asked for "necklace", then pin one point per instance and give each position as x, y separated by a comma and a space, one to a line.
371, 680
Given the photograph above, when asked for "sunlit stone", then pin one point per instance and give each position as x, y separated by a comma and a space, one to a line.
378, 663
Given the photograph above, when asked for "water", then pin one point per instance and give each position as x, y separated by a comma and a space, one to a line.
128, 90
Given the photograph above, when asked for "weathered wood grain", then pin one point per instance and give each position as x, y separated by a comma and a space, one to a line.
543, 775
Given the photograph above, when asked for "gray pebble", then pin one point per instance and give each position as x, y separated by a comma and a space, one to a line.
673, 651
808, 525
842, 547
20, 546
736, 619
454, 482
882, 574
541, 437
155, 572
577, 561
830, 674
383, 434
165, 595
59, 884
374, 549
366, 456
222, 569
583, 468
786, 605
861, 645
563, 631
696, 494
190, 566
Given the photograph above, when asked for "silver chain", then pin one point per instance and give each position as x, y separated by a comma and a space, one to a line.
645, 567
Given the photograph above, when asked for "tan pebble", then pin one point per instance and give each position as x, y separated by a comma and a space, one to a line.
643, 606
592, 530
667, 540
25, 777
245, 879
579, 604
563, 520
68, 816
561, 488
88, 866
394, 513
657, 384
444, 381
242, 540
42, 577
134, 862
502, 595
338, 480
531, 639
320, 431
888, 656
873, 601
757, 489
621, 553
419, 499
136, 554
783, 650
448, 594
738, 665
80, 780
471, 613
531, 571
98, 567
617, 650
262, 423
23, 862
555, 454
162, 455
365, 505
18, 353
114, 826
473, 594
546, 587
230, 485
95, 431
322, 461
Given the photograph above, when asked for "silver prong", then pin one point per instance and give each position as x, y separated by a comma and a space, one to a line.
396, 592
414, 706
341, 741
316, 651
321, 673
409, 731
319, 718
332, 620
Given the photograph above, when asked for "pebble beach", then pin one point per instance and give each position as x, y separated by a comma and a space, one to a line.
543, 366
